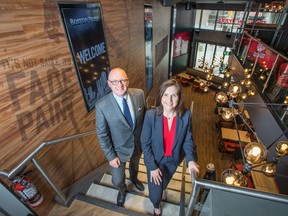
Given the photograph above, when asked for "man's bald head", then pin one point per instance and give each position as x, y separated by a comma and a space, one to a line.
117, 72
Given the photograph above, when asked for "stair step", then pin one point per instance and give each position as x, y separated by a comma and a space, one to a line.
179, 169
172, 195
133, 202
174, 184
177, 175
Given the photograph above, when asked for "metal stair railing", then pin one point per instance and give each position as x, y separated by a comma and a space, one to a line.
197, 184
183, 192
31, 158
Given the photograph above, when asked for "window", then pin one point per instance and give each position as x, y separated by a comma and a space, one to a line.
208, 19
197, 19
219, 62
225, 21
210, 54
200, 54
238, 20
219, 20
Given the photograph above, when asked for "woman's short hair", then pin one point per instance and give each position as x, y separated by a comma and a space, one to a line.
180, 106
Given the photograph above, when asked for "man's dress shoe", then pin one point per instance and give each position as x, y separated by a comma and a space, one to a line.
121, 199
138, 185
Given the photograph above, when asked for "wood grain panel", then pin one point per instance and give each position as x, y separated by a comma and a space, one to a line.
205, 134
40, 95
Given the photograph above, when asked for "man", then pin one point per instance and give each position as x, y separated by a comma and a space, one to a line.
119, 128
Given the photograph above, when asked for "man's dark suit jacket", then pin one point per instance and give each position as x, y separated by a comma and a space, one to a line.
115, 136
152, 139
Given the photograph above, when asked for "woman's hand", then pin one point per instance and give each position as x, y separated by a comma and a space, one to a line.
193, 166
156, 176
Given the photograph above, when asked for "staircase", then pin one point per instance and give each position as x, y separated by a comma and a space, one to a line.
136, 201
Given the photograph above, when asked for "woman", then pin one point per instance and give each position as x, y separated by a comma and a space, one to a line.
166, 139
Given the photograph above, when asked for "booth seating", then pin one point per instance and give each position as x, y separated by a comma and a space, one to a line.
231, 148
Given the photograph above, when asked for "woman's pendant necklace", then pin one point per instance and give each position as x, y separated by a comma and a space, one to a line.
170, 117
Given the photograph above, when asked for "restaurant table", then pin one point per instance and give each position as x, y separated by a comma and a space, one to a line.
197, 81
231, 134
185, 76
263, 182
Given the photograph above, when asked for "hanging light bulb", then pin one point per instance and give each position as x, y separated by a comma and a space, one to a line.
209, 76
248, 76
285, 100
242, 82
227, 74
221, 97
227, 114
282, 148
233, 177
251, 92
206, 89
246, 70
269, 169
234, 90
225, 84
202, 84
248, 83
244, 96
255, 153
262, 77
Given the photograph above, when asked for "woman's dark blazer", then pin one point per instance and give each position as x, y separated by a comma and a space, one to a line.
152, 139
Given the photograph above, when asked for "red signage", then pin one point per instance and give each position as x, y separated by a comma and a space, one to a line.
181, 43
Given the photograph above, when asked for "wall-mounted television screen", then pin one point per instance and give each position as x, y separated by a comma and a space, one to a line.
84, 29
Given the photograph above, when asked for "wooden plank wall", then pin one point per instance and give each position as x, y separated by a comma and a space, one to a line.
40, 96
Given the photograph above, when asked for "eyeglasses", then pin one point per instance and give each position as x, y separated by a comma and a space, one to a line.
116, 82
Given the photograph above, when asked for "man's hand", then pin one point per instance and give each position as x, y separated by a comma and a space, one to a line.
156, 176
115, 163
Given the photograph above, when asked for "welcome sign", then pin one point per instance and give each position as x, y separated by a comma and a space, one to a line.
84, 29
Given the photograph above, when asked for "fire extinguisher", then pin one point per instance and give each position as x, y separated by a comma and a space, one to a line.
23, 186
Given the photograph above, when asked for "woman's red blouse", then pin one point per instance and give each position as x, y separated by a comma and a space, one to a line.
168, 136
